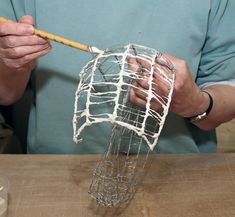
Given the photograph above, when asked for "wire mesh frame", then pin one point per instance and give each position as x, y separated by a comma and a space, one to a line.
105, 83
110, 89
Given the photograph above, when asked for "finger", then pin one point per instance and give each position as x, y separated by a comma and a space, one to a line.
163, 77
156, 94
166, 60
140, 101
16, 41
20, 62
142, 83
140, 92
34, 56
17, 52
136, 100
132, 64
162, 73
27, 19
145, 63
156, 106
11, 28
140, 75
160, 90
161, 87
139, 64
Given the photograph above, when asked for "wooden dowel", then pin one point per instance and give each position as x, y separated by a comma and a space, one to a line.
61, 40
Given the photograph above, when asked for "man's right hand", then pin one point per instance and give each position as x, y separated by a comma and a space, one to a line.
19, 47
19, 51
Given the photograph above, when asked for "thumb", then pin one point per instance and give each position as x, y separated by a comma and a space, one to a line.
27, 19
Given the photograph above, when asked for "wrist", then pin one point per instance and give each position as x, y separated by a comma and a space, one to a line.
205, 112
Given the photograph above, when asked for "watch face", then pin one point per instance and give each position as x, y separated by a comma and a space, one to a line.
198, 117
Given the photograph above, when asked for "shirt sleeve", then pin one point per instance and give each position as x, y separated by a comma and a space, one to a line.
218, 54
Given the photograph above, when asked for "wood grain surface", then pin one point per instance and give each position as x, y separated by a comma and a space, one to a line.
173, 186
226, 137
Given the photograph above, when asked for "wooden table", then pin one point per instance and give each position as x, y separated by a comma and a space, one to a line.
174, 186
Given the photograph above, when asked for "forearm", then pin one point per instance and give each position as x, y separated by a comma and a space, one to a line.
12, 83
223, 109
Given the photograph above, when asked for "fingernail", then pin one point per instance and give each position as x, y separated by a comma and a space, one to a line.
41, 40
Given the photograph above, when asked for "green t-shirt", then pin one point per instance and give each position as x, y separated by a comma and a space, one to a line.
200, 32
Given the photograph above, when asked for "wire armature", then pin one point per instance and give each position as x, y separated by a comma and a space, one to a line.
135, 130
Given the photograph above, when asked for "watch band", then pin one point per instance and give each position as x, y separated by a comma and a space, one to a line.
202, 116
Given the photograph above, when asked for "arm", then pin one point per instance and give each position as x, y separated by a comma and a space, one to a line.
189, 100
19, 50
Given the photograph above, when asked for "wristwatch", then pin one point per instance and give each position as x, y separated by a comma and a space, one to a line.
204, 115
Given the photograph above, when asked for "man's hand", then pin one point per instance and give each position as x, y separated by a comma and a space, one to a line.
19, 51
187, 100
19, 48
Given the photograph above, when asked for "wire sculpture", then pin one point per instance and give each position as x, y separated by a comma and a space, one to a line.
105, 85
